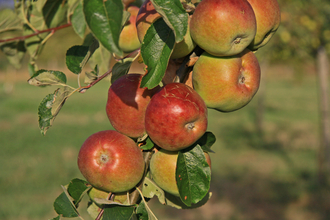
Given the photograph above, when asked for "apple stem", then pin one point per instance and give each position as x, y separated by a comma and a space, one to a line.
99, 216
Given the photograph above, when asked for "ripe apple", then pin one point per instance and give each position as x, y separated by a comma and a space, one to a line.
226, 83
223, 28
127, 103
268, 17
163, 168
96, 193
176, 117
111, 161
147, 15
128, 39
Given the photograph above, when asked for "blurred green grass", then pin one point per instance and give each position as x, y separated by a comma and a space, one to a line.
255, 175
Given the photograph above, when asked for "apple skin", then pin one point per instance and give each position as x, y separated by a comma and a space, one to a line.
111, 161
176, 117
163, 168
128, 38
147, 15
223, 27
226, 83
127, 103
268, 16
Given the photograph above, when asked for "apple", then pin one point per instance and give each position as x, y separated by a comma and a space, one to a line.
223, 28
111, 161
176, 117
226, 83
163, 168
268, 16
96, 193
127, 103
128, 38
147, 15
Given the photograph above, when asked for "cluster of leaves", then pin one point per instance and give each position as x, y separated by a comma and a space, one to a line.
193, 176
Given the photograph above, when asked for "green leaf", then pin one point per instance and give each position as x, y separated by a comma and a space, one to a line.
92, 75
78, 22
121, 68
47, 78
177, 203
101, 201
101, 57
148, 145
61, 96
93, 210
118, 212
32, 69
9, 21
193, 175
54, 12
174, 15
35, 17
156, 50
206, 141
45, 113
141, 211
77, 188
50, 107
150, 214
74, 58
77, 56
14, 52
104, 18
56, 218
63, 206
151, 189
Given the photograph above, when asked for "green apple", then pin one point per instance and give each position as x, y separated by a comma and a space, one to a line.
128, 39
111, 161
148, 15
163, 168
176, 117
226, 83
268, 17
223, 27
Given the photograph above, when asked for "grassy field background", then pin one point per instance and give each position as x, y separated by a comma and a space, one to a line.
268, 175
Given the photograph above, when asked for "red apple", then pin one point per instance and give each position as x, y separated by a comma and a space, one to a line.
268, 17
127, 103
163, 168
226, 83
223, 27
111, 161
148, 15
176, 117
128, 39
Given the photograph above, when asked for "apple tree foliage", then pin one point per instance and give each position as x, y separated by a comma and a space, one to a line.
304, 29
27, 28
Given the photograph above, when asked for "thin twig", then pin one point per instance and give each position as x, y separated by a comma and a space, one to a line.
84, 88
21, 38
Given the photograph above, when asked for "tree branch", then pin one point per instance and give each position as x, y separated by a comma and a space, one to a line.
22, 38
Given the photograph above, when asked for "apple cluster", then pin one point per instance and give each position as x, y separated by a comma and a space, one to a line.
225, 77
173, 116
